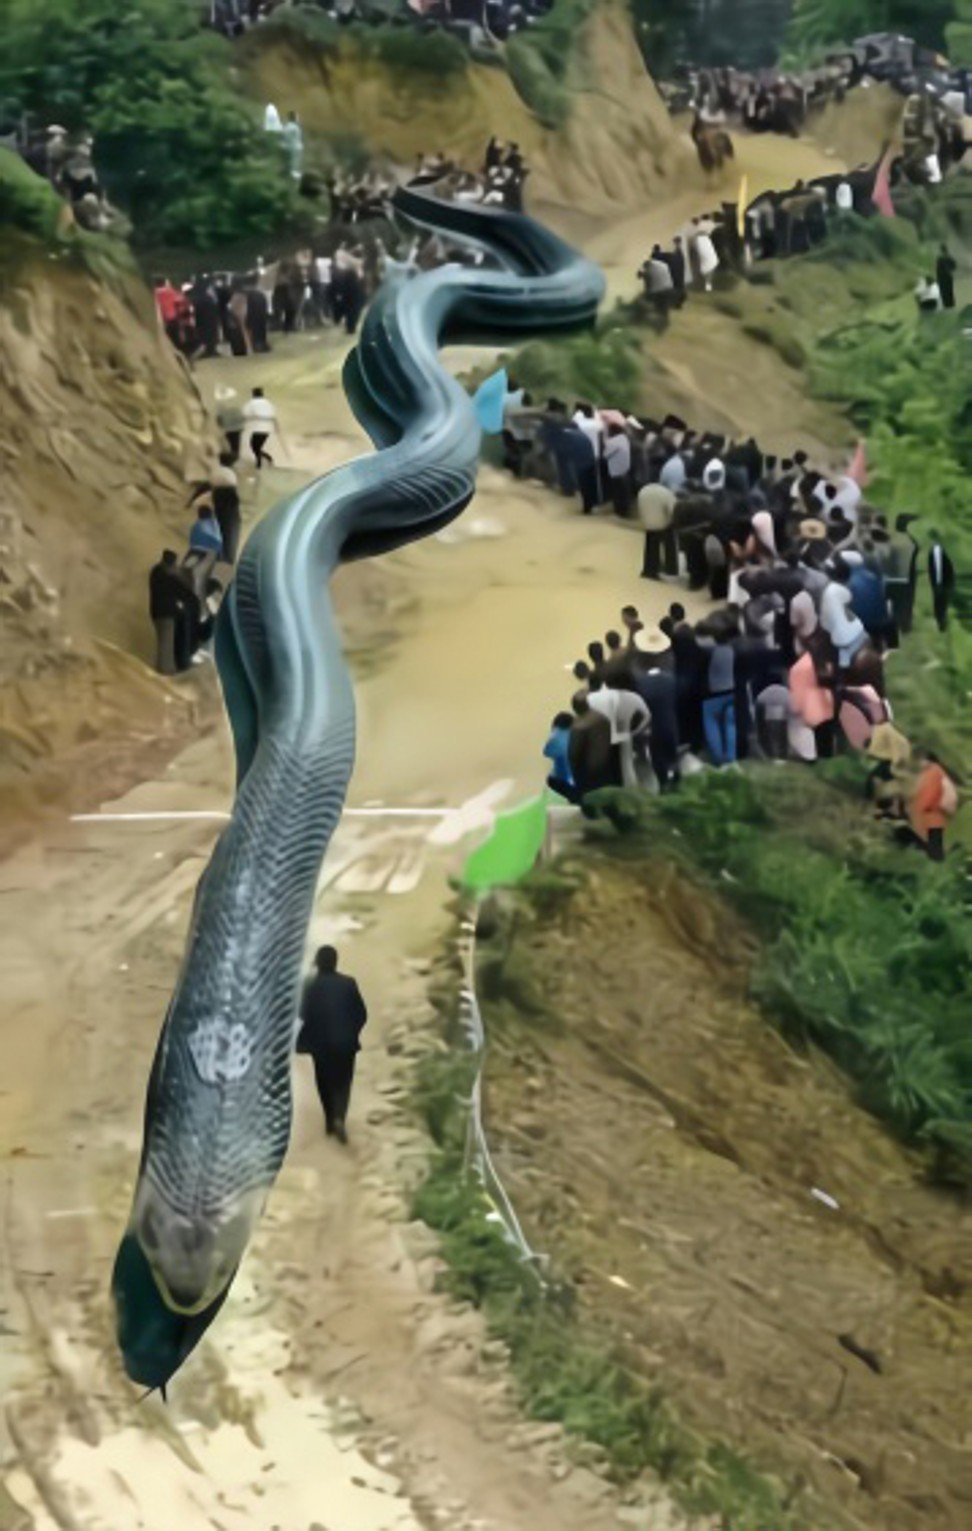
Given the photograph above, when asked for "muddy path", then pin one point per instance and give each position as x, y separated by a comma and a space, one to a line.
759, 1245
334, 1349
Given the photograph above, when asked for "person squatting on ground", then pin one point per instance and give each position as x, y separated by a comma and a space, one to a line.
332, 1015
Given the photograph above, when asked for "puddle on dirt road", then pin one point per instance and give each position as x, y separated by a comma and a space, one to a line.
758, 1244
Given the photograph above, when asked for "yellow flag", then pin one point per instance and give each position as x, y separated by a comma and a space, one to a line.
741, 205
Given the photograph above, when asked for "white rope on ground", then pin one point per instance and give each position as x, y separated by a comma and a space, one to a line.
477, 1155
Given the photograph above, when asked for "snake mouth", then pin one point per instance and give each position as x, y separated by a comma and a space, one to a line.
193, 1257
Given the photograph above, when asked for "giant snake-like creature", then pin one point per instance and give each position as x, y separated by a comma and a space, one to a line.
218, 1108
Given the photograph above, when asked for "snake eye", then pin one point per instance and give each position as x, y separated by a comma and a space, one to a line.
148, 1230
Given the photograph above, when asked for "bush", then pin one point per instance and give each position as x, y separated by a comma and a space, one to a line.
542, 60
603, 366
410, 49
29, 204
825, 891
819, 23
173, 143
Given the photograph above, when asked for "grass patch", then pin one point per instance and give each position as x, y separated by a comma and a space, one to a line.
866, 947
602, 365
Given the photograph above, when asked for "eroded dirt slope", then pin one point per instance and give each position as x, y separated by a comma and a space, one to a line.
618, 147
102, 428
664, 1145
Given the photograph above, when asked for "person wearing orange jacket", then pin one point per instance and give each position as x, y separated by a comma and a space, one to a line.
932, 804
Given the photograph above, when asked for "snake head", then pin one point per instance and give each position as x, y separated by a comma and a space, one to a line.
153, 1338
192, 1257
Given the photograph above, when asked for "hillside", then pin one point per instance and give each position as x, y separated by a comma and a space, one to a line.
102, 427
616, 147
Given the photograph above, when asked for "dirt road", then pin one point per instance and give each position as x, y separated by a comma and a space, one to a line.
337, 1392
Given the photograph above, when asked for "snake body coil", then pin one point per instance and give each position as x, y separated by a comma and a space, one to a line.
218, 1109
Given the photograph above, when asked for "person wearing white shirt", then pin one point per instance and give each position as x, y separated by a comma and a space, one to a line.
261, 418
848, 497
617, 460
628, 717
837, 618
673, 473
928, 295
589, 422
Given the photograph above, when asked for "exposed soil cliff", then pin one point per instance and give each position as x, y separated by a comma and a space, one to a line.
102, 427
617, 146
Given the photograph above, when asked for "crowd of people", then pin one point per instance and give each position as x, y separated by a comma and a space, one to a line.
774, 100
731, 240
764, 101
185, 589
477, 22
813, 591
67, 161
239, 310
331, 281
499, 182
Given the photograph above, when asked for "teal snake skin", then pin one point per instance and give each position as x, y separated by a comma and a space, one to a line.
218, 1108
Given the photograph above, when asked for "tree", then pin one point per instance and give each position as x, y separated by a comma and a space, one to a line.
173, 143
818, 23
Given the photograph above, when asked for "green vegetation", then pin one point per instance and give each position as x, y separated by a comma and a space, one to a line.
744, 33
565, 1371
542, 60
174, 144
602, 365
958, 34
866, 947
30, 207
906, 381
818, 23
403, 48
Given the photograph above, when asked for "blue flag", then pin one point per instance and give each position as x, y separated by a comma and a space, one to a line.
488, 402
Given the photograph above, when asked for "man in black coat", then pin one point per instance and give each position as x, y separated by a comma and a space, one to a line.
168, 599
941, 577
332, 1015
945, 269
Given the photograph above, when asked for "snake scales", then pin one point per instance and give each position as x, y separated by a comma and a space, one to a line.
218, 1107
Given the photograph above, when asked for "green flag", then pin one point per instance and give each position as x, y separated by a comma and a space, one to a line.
511, 850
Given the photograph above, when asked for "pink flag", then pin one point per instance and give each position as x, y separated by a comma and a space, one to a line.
857, 467
881, 195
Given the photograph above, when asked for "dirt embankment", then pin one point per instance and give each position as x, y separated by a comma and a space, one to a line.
751, 1238
102, 428
618, 147
857, 129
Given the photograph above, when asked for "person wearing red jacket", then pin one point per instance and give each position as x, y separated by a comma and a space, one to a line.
933, 803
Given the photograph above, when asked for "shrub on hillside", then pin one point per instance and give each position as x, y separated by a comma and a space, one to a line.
540, 60
411, 49
602, 366
826, 892
819, 23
